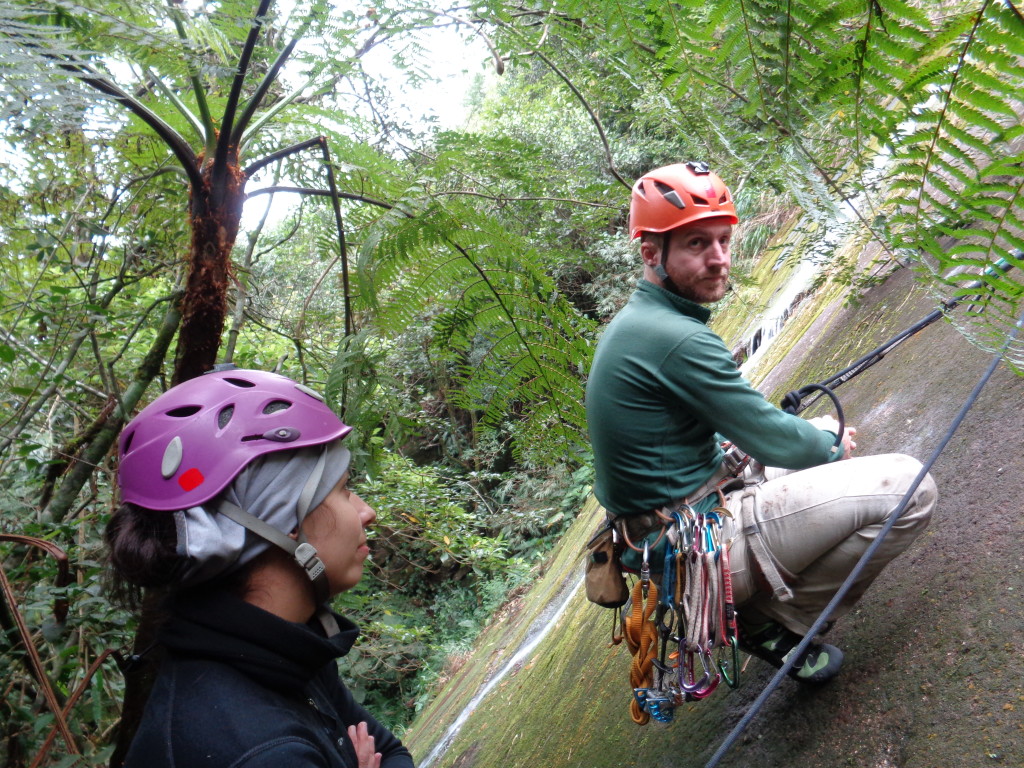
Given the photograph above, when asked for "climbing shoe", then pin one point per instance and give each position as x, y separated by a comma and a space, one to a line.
774, 643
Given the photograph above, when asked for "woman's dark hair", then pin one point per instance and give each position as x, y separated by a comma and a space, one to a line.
142, 547
143, 552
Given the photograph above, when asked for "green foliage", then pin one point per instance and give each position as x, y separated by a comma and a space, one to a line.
909, 111
69, 649
424, 524
513, 343
435, 578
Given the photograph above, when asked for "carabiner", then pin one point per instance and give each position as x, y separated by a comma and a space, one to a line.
733, 681
667, 595
714, 538
687, 682
698, 534
645, 566
708, 663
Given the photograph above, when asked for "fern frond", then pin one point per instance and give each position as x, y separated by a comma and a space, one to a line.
517, 349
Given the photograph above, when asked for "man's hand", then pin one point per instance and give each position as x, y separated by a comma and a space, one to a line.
829, 424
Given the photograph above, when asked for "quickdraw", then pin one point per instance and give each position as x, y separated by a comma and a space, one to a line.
691, 617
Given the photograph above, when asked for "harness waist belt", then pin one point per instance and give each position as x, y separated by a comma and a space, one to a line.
716, 482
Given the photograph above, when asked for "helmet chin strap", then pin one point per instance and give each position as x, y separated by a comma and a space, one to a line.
659, 269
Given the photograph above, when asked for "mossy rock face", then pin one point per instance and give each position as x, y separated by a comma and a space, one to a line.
934, 676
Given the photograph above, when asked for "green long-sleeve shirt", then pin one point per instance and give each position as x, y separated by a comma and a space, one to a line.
663, 391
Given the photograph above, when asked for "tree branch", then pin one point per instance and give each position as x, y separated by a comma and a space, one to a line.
10, 338
148, 369
582, 100
227, 128
196, 124
43, 397
206, 128
268, 79
319, 193
280, 155
505, 199
168, 135
242, 288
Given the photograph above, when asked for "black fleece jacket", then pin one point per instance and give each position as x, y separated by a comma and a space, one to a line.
240, 687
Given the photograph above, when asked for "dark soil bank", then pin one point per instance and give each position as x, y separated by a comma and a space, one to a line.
934, 674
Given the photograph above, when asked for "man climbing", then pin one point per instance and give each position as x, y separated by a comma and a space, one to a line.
664, 394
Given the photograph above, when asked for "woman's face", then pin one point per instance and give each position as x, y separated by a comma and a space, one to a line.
337, 528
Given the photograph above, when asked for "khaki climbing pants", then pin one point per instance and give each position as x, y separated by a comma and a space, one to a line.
815, 524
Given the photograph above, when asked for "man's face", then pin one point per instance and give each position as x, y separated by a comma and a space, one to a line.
698, 259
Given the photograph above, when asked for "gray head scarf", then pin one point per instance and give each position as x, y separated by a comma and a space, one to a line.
268, 488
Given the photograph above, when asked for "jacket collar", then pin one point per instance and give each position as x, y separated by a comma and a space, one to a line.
279, 654
685, 306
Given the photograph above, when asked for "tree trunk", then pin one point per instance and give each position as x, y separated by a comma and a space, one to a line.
81, 470
216, 212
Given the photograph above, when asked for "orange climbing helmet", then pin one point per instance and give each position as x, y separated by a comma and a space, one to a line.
673, 195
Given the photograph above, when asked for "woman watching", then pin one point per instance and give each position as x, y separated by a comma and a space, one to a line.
235, 501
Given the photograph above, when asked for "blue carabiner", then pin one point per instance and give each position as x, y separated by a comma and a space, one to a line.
668, 577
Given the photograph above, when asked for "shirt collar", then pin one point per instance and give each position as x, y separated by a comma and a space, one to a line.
687, 307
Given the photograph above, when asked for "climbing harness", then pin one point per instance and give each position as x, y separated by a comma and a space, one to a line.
683, 634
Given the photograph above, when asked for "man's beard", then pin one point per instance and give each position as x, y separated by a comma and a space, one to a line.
701, 293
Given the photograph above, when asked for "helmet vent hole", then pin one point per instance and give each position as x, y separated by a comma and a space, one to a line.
276, 405
670, 194
184, 412
128, 441
239, 383
723, 199
699, 200
225, 416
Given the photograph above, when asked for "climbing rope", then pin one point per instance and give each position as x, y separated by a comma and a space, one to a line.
819, 624
794, 402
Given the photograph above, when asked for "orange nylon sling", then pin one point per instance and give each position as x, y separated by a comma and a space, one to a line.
642, 639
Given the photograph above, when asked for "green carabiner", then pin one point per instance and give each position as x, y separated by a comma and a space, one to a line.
733, 681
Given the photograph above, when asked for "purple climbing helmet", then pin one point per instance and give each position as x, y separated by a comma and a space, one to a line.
186, 446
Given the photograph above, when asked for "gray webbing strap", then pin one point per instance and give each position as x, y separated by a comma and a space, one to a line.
303, 552
727, 477
772, 570
327, 621
306, 497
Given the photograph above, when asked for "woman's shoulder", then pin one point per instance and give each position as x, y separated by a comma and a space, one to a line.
202, 712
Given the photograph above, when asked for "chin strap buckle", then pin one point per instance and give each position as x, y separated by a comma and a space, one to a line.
306, 556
